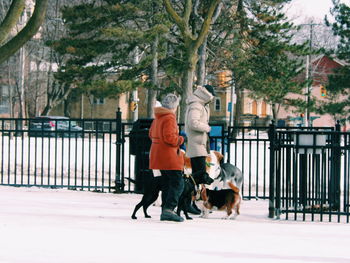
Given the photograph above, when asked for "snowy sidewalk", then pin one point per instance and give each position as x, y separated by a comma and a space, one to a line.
45, 225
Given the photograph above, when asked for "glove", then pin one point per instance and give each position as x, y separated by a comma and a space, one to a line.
208, 143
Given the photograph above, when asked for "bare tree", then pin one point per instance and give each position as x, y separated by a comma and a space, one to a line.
192, 39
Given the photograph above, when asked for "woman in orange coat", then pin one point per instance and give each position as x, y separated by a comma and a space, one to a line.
165, 155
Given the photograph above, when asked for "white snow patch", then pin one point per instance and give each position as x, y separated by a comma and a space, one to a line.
44, 225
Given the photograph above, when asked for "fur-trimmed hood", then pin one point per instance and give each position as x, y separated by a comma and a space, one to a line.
201, 95
160, 111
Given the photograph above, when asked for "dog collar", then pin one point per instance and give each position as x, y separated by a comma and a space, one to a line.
209, 164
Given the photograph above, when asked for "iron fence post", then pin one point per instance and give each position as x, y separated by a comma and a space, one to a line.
272, 138
334, 195
223, 143
119, 181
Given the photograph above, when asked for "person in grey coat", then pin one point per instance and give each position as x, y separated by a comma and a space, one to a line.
197, 129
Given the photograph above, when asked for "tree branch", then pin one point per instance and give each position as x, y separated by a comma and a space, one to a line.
206, 24
179, 21
26, 33
11, 19
187, 13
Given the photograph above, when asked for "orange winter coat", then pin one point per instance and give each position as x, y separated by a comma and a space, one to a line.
165, 151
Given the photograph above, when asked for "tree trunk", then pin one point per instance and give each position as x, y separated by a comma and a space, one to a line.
238, 106
37, 85
55, 98
151, 100
187, 82
26, 33
191, 42
66, 110
201, 72
202, 52
46, 110
274, 112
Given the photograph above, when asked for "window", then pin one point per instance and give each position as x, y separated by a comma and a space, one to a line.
217, 104
263, 109
4, 99
98, 101
254, 107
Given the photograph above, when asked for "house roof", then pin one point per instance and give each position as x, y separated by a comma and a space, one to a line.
336, 60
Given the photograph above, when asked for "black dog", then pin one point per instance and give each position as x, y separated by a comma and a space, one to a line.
155, 186
190, 187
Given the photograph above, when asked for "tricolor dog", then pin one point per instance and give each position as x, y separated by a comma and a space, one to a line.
224, 192
221, 172
224, 199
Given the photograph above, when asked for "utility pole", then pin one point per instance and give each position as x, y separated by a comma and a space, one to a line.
309, 77
135, 98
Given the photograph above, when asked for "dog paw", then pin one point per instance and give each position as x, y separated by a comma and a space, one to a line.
133, 217
189, 218
147, 216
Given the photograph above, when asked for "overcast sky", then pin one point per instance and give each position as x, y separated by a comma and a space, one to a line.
300, 9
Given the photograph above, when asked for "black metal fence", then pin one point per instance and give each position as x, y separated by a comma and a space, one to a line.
245, 147
248, 149
310, 174
54, 153
300, 179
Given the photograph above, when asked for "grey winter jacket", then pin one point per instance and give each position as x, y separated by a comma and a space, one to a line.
197, 122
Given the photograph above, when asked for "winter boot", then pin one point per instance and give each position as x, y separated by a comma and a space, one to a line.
169, 215
191, 209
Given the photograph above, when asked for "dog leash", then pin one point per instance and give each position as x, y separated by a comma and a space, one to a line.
195, 185
196, 189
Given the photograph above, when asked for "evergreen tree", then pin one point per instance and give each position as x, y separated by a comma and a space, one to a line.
337, 100
267, 63
111, 44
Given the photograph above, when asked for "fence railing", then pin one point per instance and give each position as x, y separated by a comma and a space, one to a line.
54, 153
248, 150
310, 174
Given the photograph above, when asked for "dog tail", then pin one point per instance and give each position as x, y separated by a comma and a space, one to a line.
233, 187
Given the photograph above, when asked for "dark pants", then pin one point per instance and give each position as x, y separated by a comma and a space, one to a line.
198, 164
172, 188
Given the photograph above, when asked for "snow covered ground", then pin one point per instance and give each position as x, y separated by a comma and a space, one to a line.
45, 225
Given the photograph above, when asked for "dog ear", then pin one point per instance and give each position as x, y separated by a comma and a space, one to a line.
204, 193
219, 156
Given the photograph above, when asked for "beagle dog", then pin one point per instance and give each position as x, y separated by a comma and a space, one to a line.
224, 199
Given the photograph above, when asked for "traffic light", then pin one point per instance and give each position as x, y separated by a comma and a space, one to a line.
323, 91
133, 106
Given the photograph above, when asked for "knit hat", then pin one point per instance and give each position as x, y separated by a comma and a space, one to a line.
170, 101
210, 88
